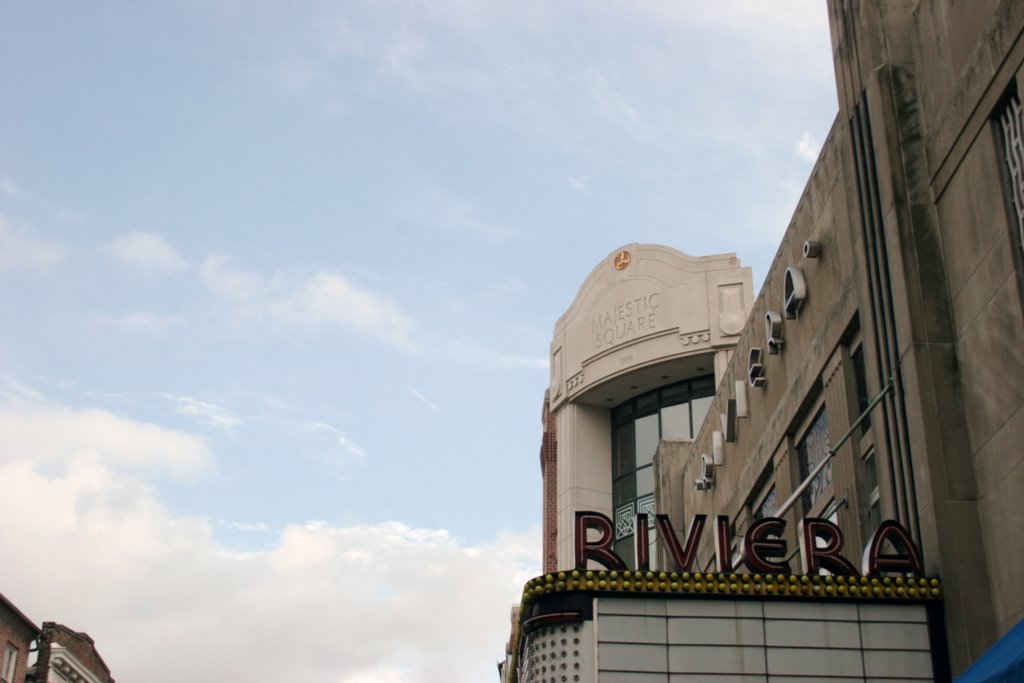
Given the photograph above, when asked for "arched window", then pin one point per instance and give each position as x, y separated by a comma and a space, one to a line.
674, 411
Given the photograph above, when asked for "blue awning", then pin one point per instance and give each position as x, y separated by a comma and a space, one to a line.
1001, 663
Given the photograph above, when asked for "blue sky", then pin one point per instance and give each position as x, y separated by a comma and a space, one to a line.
277, 284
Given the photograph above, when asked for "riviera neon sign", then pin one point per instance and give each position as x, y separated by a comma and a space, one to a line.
763, 549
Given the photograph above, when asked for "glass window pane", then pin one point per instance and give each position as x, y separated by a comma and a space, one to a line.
769, 506
646, 403
811, 451
874, 516
663, 413
623, 414
860, 377
647, 435
10, 662
623, 453
869, 470
677, 393
675, 422
624, 548
699, 407
624, 490
644, 481
822, 543
834, 515
705, 386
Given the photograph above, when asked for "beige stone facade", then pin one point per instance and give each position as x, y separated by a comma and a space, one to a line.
646, 316
915, 299
885, 343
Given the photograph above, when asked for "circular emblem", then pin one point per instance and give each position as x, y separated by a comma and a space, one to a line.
622, 259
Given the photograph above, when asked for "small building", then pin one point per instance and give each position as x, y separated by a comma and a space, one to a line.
17, 633
68, 655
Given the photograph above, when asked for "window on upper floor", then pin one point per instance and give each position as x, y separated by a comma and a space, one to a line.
811, 450
874, 503
861, 386
1010, 117
769, 504
9, 664
866, 464
675, 411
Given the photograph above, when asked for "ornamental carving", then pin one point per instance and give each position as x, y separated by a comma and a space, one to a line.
694, 339
574, 382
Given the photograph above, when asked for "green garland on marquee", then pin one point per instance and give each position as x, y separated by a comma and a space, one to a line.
764, 585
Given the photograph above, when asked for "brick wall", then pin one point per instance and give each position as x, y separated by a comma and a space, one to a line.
16, 630
80, 645
549, 475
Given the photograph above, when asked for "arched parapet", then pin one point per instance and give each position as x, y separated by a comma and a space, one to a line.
647, 306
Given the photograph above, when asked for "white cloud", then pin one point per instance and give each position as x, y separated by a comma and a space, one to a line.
141, 322
22, 251
733, 15
14, 393
673, 81
380, 674
579, 183
8, 188
424, 400
58, 435
509, 287
457, 216
244, 526
228, 282
324, 300
381, 602
205, 413
615, 107
146, 252
410, 44
70, 216
467, 351
341, 454
331, 299
807, 148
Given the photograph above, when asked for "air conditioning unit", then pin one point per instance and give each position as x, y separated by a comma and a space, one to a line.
707, 467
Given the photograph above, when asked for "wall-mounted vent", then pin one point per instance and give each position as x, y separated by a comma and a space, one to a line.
755, 368
773, 331
794, 290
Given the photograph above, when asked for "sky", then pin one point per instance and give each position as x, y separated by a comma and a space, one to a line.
277, 285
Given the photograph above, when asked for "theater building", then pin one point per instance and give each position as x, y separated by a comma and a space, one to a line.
849, 438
